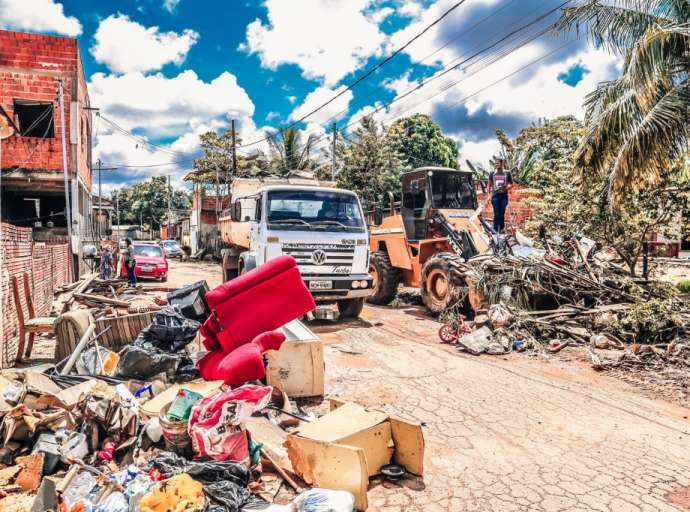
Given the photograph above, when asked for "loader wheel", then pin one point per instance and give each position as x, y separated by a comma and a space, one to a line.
385, 279
442, 282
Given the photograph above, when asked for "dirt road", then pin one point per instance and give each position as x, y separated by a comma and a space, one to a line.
503, 434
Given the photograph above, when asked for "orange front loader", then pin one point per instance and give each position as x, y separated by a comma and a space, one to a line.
424, 243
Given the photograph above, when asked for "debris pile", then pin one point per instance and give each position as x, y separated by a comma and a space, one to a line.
544, 301
135, 428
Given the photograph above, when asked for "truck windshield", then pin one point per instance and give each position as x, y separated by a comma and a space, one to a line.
314, 209
452, 190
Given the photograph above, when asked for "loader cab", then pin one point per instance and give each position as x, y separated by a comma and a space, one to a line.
433, 188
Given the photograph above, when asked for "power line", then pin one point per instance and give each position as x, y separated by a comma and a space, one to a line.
368, 73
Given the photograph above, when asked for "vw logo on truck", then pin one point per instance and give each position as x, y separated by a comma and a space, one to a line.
318, 257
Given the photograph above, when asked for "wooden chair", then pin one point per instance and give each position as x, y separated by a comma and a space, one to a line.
32, 324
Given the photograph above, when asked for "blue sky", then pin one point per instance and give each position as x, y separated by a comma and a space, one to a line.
168, 70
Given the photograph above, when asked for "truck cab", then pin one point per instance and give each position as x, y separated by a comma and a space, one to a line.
322, 228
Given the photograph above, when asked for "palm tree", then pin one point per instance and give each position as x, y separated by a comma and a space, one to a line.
287, 151
638, 126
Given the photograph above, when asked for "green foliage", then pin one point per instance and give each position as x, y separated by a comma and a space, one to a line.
542, 151
148, 200
371, 166
684, 286
215, 166
637, 126
288, 152
419, 142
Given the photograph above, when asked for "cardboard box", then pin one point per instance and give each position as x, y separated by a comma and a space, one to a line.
298, 367
345, 447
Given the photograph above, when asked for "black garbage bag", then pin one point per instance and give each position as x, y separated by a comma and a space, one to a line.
170, 331
191, 300
225, 482
142, 363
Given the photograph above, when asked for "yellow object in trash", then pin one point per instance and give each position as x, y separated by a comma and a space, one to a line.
181, 493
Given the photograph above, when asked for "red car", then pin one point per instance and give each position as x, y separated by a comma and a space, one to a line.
151, 262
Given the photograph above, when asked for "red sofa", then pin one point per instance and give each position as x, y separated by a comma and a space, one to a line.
245, 313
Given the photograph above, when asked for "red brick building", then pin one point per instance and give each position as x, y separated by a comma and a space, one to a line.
518, 211
31, 67
203, 222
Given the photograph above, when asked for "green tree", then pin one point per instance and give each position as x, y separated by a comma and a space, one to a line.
148, 201
541, 151
215, 165
419, 142
287, 151
370, 165
637, 125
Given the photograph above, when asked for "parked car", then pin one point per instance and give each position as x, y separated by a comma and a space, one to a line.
171, 248
150, 262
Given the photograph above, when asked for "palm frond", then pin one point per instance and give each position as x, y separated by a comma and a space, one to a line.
652, 60
662, 136
616, 25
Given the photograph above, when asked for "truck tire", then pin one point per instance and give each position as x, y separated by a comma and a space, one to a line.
350, 308
443, 284
386, 279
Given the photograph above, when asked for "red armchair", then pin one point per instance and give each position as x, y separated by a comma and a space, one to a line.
245, 312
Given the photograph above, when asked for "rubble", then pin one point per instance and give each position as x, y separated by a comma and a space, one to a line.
567, 296
129, 424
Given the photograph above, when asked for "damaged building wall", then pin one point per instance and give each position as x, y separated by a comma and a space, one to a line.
204, 219
518, 211
31, 68
48, 266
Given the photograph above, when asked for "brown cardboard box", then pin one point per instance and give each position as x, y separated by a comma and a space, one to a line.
298, 367
343, 448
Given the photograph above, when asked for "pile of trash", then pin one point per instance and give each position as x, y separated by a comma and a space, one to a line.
141, 429
548, 301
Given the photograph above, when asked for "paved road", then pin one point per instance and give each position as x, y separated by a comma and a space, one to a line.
509, 434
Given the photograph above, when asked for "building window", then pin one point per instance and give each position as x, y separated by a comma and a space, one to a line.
34, 118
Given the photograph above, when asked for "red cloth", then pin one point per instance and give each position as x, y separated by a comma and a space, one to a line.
248, 309
243, 364
261, 300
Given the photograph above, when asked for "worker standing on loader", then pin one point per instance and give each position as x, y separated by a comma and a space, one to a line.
500, 182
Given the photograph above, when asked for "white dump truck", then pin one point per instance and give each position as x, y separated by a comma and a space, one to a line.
321, 226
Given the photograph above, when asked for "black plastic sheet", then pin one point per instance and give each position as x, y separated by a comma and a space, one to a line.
225, 482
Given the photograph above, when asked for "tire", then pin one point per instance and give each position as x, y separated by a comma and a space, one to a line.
164, 279
386, 279
350, 308
443, 284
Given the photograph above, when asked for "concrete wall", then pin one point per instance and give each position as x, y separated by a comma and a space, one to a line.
48, 266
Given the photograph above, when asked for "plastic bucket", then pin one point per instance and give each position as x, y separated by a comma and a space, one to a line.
175, 434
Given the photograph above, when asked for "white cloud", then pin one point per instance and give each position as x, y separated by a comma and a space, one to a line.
410, 8
38, 16
381, 14
169, 5
327, 39
331, 112
176, 110
127, 46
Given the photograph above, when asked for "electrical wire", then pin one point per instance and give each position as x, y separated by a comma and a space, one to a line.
368, 73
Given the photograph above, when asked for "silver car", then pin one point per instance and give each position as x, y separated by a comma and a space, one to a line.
171, 248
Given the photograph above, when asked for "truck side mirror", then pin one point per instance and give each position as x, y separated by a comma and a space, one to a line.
378, 216
236, 213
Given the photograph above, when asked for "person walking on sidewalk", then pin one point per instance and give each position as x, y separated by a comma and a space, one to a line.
500, 183
130, 263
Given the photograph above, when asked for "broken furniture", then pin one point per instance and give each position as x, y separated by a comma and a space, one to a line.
116, 331
245, 312
345, 447
29, 324
298, 367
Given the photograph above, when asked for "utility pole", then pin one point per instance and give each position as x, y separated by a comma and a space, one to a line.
100, 203
234, 150
117, 206
169, 205
335, 136
68, 213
